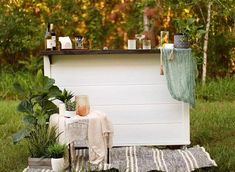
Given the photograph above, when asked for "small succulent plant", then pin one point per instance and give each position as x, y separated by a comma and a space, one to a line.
56, 150
70, 105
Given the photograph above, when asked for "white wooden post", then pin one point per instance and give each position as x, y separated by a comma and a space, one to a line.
47, 66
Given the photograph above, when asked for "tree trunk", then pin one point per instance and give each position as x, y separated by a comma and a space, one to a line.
146, 23
205, 47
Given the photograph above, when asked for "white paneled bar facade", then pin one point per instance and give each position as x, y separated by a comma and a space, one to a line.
128, 87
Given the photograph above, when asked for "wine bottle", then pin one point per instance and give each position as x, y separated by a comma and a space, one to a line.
53, 36
48, 40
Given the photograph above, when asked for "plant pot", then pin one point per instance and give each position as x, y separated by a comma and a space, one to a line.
181, 41
61, 108
39, 163
57, 164
69, 113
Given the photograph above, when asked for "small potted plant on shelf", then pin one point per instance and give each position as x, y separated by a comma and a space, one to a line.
183, 27
57, 152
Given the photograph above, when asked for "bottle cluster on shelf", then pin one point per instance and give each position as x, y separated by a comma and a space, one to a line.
53, 42
50, 38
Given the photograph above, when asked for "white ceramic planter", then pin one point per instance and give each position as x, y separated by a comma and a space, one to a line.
57, 164
64, 112
69, 113
62, 109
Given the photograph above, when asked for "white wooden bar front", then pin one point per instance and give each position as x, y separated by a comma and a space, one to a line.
129, 88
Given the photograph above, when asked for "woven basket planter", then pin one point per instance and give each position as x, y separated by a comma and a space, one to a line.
181, 41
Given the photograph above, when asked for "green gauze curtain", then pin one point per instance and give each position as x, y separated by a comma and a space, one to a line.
180, 71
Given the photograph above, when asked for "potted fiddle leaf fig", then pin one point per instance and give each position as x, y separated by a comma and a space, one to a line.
37, 106
183, 27
56, 152
37, 103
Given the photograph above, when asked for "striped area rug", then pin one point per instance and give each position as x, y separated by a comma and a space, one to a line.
144, 159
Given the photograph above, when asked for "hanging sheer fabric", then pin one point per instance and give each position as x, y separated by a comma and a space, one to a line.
180, 71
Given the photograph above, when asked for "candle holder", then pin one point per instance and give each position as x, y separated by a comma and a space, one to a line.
146, 44
82, 105
164, 38
139, 37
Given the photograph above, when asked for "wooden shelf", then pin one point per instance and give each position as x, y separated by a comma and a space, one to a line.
85, 51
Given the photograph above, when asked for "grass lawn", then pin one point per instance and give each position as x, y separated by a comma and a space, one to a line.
13, 157
212, 126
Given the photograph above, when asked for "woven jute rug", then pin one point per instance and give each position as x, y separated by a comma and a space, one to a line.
144, 159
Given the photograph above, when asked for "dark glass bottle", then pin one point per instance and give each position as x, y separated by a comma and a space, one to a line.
53, 36
48, 41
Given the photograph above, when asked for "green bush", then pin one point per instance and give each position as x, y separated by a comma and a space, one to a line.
217, 89
8, 77
24, 72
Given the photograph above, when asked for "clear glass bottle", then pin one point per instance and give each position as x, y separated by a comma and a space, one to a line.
82, 105
164, 38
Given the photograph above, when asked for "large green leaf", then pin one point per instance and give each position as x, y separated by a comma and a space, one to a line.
44, 82
29, 119
25, 106
50, 107
20, 135
47, 82
54, 91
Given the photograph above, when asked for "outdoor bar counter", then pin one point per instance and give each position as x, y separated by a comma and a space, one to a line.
128, 87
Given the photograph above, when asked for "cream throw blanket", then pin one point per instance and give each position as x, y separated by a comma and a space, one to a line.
99, 131
100, 134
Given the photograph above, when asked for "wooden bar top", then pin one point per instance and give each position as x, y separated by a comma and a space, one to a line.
86, 51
